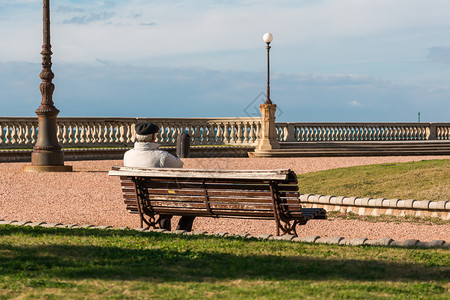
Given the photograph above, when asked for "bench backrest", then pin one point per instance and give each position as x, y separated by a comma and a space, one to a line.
221, 193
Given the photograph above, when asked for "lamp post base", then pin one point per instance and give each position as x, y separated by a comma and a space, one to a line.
37, 169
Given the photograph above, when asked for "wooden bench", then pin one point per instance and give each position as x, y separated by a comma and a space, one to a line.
266, 195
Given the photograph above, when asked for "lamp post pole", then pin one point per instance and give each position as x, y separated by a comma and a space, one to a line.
47, 155
268, 38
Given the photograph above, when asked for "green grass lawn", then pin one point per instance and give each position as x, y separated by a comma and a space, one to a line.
123, 264
423, 180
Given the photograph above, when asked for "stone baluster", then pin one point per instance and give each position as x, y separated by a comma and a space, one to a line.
340, 133
122, 133
408, 135
415, 133
116, 132
343, 133
214, 134
385, 134
239, 133
233, 136
197, 133
304, 134
358, 133
13, 134
82, 129
208, 137
320, 133
20, 133
161, 138
96, 131
106, 132
401, 133
225, 133
111, 132
76, 131
7, 135
172, 133
251, 133
130, 130
202, 134
246, 133
313, 133
62, 127
26, 134
377, 133
89, 133
70, 134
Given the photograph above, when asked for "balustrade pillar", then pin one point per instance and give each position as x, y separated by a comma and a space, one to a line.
268, 138
432, 134
290, 133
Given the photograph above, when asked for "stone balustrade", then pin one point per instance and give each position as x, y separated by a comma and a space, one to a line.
19, 133
329, 132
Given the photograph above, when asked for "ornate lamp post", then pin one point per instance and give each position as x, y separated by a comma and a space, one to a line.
47, 155
268, 139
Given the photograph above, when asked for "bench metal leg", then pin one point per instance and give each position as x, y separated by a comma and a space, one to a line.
286, 225
142, 206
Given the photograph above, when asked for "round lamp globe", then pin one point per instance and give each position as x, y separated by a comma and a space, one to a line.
268, 38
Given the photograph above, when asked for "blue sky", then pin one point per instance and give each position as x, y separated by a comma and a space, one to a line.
344, 61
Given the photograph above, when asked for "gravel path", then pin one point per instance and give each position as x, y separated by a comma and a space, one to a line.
89, 196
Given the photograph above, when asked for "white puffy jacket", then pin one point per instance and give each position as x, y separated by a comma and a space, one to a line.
147, 155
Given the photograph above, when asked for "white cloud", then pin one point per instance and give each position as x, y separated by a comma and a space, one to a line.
355, 103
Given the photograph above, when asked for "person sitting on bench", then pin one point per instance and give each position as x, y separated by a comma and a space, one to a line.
146, 154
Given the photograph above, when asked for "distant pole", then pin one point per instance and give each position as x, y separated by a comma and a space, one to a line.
418, 117
47, 155
268, 38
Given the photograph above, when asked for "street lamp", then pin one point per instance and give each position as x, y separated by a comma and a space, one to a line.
47, 155
268, 38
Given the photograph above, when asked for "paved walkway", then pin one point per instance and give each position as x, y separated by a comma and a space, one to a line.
89, 196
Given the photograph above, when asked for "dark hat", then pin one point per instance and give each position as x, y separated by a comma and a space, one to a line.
146, 128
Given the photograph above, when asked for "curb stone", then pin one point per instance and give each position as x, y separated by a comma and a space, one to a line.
380, 242
330, 240
405, 243
196, 233
307, 239
353, 242
20, 223
284, 237
86, 226
34, 224
51, 225
264, 236
336, 240
369, 206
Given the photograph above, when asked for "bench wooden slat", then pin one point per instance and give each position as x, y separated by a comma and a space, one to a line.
215, 186
204, 174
